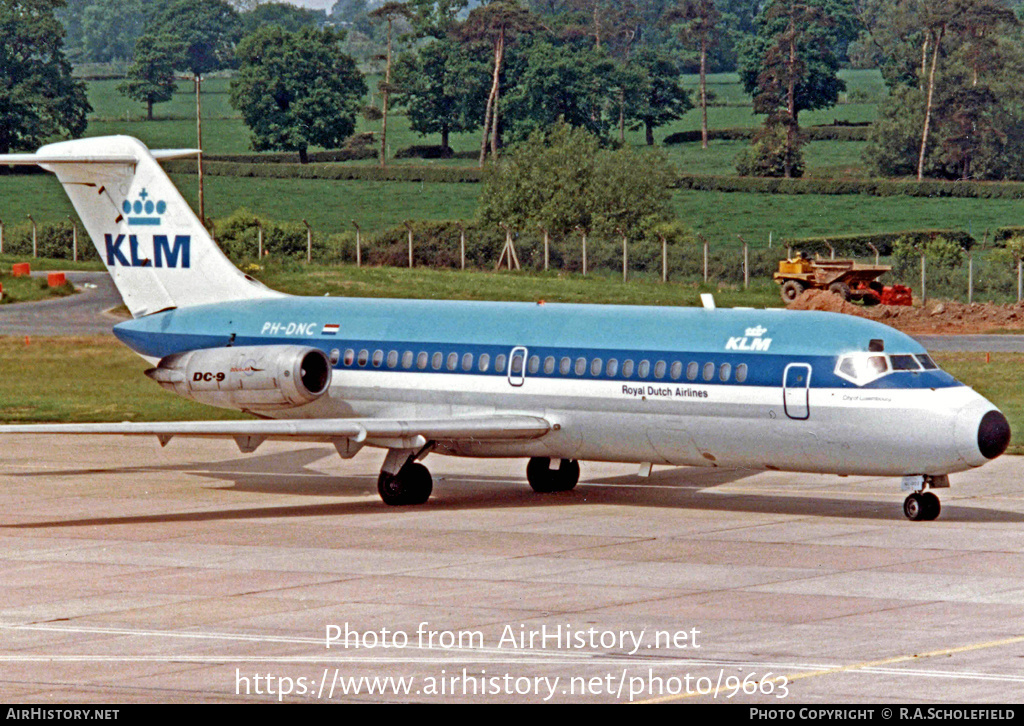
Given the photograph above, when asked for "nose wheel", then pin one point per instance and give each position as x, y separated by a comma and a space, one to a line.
921, 507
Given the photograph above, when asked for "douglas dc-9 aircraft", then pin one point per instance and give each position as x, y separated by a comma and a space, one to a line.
555, 383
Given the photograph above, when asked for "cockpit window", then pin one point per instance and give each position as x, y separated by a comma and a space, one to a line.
863, 368
904, 363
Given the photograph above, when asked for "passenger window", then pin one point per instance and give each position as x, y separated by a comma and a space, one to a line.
581, 366
422, 359
335, 356
627, 369
676, 371
565, 365
453, 361
378, 358
549, 365
659, 369
644, 369
692, 370
392, 358
407, 357
517, 363
436, 360
595, 366
499, 363
467, 362
613, 367
709, 371
485, 361
741, 373
350, 357
724, 371
364, 356
534, 365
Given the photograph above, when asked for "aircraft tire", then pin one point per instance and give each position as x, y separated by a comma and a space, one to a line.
921, 507
543, 479
411, 485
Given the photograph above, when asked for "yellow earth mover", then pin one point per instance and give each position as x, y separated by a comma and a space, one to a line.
849, 280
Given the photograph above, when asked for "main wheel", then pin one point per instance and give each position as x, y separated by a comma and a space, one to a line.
411, 485
544, 479
791, 290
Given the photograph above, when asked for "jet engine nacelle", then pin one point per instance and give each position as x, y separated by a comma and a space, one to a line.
254, 378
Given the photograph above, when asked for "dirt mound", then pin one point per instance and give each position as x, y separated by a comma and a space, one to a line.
940, 316
825, 301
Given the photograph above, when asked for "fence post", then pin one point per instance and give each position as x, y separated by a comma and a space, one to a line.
408, 226
359, 244
746, 263
1, 236
970, 276
831, 249
309, 242
584, 232
875, 250
924, 282
547, 243
462, 246
625, 258
701, 238
74, 240
34, 241
1020, 280
664, 258
259, 240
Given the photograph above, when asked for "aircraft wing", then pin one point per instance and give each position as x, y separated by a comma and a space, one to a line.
390, 433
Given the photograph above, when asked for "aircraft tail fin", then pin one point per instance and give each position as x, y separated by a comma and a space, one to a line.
158, 253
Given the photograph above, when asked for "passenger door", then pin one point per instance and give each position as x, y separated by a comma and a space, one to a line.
796, 384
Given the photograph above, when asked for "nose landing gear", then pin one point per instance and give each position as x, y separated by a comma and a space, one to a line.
921, 505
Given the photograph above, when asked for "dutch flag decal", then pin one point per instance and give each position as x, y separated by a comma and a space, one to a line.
330, 329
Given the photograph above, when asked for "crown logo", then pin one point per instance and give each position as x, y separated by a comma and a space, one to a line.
143, 209
756, 332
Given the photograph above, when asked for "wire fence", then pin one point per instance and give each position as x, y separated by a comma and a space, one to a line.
982, 274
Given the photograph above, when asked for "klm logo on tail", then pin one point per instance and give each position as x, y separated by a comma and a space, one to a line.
164, 252
144, 206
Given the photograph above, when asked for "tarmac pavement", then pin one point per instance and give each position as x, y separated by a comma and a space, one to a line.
193, 573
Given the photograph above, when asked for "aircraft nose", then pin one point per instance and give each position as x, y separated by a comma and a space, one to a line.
982, 432
993, 434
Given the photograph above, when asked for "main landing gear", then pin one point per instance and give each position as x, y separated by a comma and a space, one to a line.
921, 505
402, 480
545, 478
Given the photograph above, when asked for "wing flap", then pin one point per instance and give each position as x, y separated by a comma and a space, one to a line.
480, 428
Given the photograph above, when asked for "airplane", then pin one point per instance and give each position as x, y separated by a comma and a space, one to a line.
556, 384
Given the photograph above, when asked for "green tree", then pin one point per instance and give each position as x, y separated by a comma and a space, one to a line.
659, 97
151, 77
38, 97
297, 90
791, 64
442, 88
207, 31
389, 12
698, 23
561, 179
286, 16
110, 29
497, 23
559, 82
